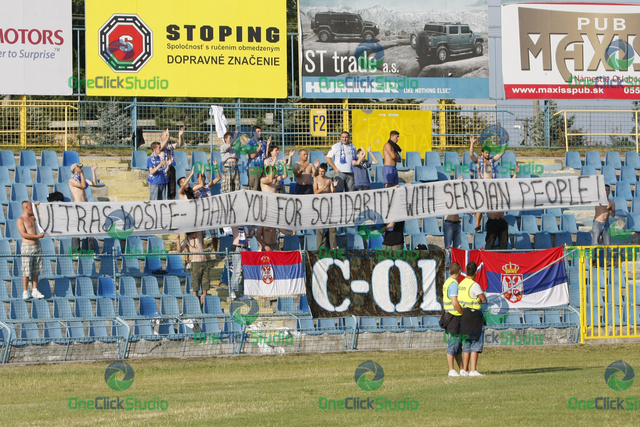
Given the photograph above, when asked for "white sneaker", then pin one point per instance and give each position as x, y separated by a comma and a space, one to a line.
453, 373
37, 294
232, 295
187, 267
25, 294
464, 373
475, 374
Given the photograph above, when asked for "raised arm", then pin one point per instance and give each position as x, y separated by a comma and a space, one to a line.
472, 140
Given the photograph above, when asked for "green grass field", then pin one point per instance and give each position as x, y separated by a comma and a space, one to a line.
523, 386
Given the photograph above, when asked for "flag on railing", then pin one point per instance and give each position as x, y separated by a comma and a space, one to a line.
269, 274
526, 279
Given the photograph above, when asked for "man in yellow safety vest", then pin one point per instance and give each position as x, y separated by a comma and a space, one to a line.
471, 297
450, 320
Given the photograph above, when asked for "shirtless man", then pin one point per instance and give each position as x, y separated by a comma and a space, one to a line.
78, 183
31, 265
304, 173
194, 242
323, 184
486, 168
600, 224
268, 238
391, 153
185, 192
270, 182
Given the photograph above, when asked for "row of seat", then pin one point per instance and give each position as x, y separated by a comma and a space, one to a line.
44, 175
20, 192
573, 160
48, 158
84, 287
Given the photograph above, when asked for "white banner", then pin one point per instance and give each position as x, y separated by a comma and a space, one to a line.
35, 47
298, 212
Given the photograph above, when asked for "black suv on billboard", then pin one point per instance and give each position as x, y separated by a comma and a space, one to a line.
441, 40
331, 25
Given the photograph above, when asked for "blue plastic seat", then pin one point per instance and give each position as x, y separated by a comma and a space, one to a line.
83, 308
171, 286
134, 247
522, 241
181, 159
425, 174
310, 243
23, 176
285, 305
479, 240
5, 178
592, 158
7, 159
354, 241
40, 193
609, 173
529, 224
104, 308
128, 287
106, 288
213, 306
127, 308
151, 264
430, 322
306, 326
583, 238
191, 306
130, 266
564, 238
150, 287
62, 288
98, 331
169, 306
199, 158
328, 326
623, 190
19, 192
431, 227
49, 158
542, 240
62, 309
628, 174
432, 158
87, 267
368, 324
139, 160
84, 288
512, 221
632, 158
549, 224
175, 267
418, 239
588, 171
568, 223
612, 158
64, 189
64, 175
70, 157
412, 159
28, 159
452, 159
148, 306
291, 243
389, 324
39, 309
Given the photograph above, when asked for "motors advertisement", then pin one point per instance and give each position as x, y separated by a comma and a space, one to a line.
35, 47
406, 49
584, 51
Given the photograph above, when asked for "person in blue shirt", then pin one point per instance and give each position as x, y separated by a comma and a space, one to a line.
157, 173
257, 157
361, 169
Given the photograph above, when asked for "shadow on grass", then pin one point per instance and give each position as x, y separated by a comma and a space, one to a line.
535, 370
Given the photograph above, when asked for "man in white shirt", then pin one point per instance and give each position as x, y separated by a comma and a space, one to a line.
340, 158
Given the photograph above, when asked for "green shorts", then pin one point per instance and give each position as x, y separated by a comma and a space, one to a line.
199, 276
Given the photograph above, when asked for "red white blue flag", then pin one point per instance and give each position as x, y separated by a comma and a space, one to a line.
270, 274
525, 279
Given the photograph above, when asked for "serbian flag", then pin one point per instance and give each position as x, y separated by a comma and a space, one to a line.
272, 274
525, 279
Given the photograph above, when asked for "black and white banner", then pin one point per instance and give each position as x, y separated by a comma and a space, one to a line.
317, 211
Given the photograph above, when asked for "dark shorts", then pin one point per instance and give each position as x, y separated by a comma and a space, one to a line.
200, 276
304, 189
390, 175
